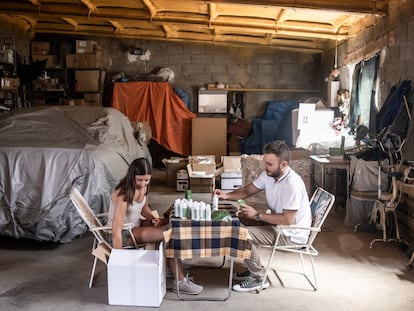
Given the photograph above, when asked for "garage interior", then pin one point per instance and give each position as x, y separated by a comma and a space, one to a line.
258, 56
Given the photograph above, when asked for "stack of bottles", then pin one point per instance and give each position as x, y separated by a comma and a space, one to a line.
194, 210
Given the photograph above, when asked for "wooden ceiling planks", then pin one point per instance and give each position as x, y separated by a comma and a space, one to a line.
309, 26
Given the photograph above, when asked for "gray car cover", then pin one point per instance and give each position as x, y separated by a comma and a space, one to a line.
44, 151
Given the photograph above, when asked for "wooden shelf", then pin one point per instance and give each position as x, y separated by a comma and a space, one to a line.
263, 90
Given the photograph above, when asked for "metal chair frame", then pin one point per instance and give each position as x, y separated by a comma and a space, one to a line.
321, 204
101, 247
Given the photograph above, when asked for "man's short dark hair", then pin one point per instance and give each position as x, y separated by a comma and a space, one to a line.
278, 148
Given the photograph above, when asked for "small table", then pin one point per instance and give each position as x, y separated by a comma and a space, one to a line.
199, 239
320, 164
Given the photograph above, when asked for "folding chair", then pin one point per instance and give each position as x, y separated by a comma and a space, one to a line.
321, 203
101, 248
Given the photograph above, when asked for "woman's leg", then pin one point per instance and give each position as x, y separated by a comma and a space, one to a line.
151, 234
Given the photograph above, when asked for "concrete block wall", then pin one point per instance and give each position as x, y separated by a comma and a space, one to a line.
18, 34
196, 65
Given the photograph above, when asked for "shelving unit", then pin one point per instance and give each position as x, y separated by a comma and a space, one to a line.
79, 83
50, 88
9, 87
87, 84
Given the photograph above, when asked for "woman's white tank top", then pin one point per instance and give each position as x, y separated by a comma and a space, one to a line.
132, 215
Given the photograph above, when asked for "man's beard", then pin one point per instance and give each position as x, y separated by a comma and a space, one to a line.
275, 174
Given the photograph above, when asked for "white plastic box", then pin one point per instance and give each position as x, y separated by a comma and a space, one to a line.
231, 181
182, 184
136, 277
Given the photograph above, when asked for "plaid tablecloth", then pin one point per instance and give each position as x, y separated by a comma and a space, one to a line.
195, 239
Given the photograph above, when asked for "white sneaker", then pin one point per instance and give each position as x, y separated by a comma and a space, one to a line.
250, 284
186, 286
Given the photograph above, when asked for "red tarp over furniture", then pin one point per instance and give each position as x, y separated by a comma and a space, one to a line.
157, 104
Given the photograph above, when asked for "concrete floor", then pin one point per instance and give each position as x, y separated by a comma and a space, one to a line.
46, 276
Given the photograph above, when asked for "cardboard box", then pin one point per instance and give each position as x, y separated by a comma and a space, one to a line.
87, 86
202, 176
39, 47
93, 60
9, 83
202, 185
136, 277
173, 165
88, 80
90, 60
87, 46
209, 136
93, 99
231, 164
51, 60
202, 159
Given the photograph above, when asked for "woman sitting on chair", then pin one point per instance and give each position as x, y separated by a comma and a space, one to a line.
129, 202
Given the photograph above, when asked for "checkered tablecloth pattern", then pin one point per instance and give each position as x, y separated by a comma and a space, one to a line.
194, 239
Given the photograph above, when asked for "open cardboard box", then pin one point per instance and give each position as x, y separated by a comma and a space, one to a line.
202, 176
173, 165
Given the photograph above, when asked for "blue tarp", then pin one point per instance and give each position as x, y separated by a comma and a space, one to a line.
274, 124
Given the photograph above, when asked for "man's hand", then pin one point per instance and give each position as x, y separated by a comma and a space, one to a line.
248, 211
221, 194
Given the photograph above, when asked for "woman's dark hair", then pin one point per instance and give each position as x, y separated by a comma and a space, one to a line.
126, 186
279, 148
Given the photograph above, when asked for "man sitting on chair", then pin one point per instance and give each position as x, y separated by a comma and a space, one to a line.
288, 200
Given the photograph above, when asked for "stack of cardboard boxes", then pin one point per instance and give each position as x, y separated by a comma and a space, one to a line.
88, 55
202, 173
89, 75
199, 173
40, 51
174, 165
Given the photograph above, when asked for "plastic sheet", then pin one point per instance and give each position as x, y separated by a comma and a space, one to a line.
46, 150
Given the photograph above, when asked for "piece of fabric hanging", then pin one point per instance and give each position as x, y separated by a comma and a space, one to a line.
363, 94
157, 104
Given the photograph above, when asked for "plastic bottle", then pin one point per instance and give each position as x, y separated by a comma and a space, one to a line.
195, 212
177, 208
208, 212
215, 202
183, 210
202, 211
188, 194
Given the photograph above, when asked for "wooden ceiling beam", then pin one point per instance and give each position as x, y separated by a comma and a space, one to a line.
352, 6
